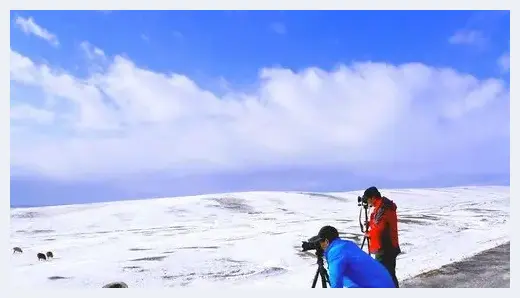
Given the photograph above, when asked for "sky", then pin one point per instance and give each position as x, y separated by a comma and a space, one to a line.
111, 105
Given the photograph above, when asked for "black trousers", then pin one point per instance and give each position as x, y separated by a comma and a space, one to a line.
389, 260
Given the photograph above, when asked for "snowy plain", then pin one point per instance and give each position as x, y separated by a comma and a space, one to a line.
248, 239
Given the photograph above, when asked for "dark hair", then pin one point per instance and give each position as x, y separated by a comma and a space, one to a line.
371, 192
328, 232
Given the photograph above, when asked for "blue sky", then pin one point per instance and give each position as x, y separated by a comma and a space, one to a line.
131, 104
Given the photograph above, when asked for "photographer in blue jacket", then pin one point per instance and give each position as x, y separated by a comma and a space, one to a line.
348, 265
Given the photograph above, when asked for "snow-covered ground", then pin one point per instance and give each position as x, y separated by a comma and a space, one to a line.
240, 239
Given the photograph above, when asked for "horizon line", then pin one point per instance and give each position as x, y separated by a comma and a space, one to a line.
24, 206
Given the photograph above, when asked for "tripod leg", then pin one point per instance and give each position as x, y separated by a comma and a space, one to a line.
366, 231
368, 244
323, 280
315, 280
324, 277
327, 277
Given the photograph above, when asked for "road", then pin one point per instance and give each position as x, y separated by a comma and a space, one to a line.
488, 269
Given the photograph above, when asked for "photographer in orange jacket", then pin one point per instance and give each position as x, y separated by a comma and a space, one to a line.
382, 230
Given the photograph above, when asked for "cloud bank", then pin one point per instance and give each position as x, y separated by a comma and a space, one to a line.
409, 119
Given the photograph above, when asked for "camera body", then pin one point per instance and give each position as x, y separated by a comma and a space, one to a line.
312, 244
362, 201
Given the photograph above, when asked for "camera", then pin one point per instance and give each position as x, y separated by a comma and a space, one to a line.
312, 244
362, 201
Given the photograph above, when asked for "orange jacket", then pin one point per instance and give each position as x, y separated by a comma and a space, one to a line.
382, 231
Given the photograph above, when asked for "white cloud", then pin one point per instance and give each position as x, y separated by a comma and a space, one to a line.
96, 57
91, 51
469, 37
279, 28
29, 26
126, 119
503, 62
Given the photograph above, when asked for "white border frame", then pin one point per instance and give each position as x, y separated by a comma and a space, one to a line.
242, 5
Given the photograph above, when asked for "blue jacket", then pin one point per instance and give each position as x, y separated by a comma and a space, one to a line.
351, 267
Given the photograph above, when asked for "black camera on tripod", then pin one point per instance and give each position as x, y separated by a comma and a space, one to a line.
362, 201
312, 244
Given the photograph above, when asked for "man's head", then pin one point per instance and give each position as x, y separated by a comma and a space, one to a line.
327, 234
371, 194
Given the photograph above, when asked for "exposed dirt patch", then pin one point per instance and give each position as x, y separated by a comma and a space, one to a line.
156, 259
41, 231
312, 194
27, 214
413, 221
272, 271
57, 277
274, 233
235, 205
199, 247
134, 269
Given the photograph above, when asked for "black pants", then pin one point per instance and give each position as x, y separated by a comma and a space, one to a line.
388, 260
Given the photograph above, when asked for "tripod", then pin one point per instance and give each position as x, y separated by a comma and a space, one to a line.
321, 271
364, 205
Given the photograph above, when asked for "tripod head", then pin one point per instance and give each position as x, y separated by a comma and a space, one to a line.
319, 256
